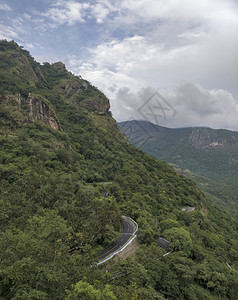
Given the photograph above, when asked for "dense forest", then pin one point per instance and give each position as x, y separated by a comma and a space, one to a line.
59, 146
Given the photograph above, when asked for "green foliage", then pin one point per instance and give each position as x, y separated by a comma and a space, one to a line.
190, 151
44, 239
63, 192
168, 223
84, 290
179, 238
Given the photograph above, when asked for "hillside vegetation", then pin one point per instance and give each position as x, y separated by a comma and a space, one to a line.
59, 144
207, 156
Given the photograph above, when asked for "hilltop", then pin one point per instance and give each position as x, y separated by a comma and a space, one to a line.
205, 155
59, 146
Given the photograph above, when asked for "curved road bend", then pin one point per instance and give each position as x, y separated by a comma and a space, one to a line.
128, 229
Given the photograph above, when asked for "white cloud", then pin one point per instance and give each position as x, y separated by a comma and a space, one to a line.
100, 12
7, 33
176, 11
67, 12
30, 46
176, 50
188, 104
5, 7
70, 12
141, 43
27, 16
195, 42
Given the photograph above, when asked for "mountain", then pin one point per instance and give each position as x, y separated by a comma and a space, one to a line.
68, 176
208, 156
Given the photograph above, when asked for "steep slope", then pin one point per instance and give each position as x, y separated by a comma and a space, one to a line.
208, 156
59, 145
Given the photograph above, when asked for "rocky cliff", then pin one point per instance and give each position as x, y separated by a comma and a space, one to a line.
22, 80
32, 108
40, 110
204, 138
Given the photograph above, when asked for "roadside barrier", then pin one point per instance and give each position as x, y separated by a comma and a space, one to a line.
133, 236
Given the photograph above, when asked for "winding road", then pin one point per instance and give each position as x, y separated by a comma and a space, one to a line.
129, 229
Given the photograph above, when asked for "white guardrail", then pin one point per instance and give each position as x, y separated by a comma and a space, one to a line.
124, 247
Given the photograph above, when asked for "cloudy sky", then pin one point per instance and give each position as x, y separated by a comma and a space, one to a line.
172, 62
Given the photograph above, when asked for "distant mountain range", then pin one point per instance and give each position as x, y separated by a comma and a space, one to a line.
208, 156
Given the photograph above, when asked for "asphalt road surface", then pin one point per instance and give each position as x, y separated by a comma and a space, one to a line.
127, 231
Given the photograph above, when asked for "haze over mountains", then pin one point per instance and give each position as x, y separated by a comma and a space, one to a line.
208, 156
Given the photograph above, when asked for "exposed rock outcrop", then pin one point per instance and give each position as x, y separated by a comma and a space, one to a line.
59, 67
41, 111
75, 85
208, 139
99, 105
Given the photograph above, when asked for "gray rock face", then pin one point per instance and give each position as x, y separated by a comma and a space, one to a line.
75, 85
59, 67
40, 111
99, 105
205, 139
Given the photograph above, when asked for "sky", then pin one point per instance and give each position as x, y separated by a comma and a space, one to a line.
171, 62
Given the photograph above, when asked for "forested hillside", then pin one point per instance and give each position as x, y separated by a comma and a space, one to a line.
59, 145
207, 156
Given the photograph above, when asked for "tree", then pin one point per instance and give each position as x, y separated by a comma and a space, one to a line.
179, 239
35, 260
168, 223
83, 290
